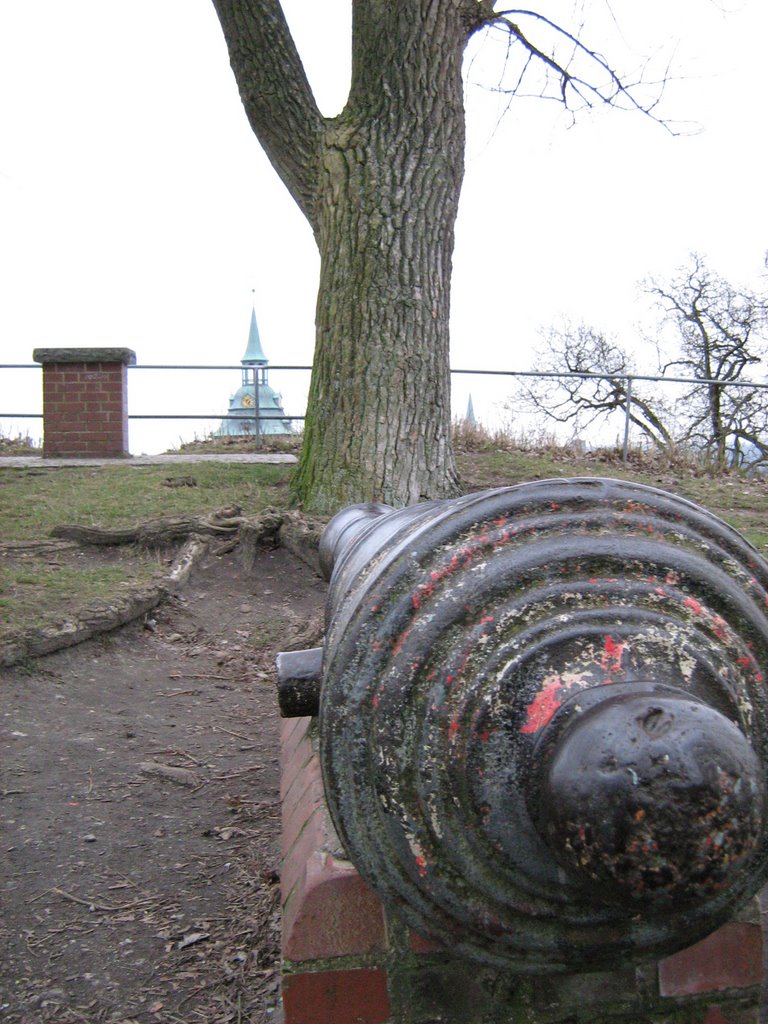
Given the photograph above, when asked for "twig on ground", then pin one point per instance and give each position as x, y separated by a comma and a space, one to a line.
237, 735
34, 899
236, 775
103, 908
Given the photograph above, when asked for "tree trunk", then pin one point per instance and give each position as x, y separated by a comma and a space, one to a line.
716, 423
380, 186
378, 424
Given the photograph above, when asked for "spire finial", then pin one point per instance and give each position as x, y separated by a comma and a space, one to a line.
253, 350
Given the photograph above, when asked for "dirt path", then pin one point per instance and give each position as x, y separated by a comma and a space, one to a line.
139, 813
139, 818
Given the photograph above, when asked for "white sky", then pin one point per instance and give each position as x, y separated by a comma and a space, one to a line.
137, 209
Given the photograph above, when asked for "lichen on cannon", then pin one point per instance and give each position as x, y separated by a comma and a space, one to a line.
542, 718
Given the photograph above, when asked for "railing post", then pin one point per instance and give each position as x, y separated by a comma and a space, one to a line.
625, 451
257, 418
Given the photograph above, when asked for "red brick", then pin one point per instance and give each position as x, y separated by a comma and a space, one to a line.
293, 731
331, 912
312, 834
66, 442
302, 766
729, 958
299, 769
72, 408
306, 825
298, 811
297, 851
293, 757
303, 800
336, 997
85, 409
298, 742
289, 726
328, 910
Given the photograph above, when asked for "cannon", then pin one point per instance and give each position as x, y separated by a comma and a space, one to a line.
542, 718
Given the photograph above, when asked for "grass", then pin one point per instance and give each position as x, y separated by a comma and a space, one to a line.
33, 501
741, 500
36, 589
19, 444
39, 588
212, 443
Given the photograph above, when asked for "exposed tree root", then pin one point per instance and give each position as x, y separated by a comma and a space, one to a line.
15, 547
100, 617
162, 531
218, 532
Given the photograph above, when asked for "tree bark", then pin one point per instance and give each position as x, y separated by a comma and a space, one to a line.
380, 186
275, 93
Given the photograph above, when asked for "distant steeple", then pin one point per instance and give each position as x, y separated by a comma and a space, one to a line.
253, 350
470, 414
255, 407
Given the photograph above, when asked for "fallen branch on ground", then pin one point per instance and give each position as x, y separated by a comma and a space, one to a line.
158, 532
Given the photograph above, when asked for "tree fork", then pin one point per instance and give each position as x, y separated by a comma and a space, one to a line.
380, 186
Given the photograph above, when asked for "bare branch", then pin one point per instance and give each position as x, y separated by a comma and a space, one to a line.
275, 93
586, 400
603, 86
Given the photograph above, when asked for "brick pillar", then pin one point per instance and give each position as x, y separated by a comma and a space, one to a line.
85, 401
346, 961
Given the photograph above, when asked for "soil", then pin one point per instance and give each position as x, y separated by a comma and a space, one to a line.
139, 808
139, 811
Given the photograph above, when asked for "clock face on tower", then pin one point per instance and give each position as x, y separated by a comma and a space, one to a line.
248, 400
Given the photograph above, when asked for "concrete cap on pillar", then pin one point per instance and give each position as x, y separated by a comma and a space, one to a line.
126, 356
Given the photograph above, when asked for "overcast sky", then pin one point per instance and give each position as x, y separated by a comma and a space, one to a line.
137, 209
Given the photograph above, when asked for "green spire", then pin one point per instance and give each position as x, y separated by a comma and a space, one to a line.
253, 351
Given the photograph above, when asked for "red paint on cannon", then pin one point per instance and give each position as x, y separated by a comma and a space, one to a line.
543, 706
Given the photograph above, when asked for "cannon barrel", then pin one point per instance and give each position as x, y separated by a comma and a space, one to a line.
542, 718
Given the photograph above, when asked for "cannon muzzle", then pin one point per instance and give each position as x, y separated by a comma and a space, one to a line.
542, 718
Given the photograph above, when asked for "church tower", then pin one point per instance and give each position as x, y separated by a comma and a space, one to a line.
254, 388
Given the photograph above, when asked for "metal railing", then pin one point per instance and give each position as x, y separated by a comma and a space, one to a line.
256, 432
627, 379
259, 418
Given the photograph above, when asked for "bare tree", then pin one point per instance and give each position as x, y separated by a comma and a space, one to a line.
379, 185
720, 336
570, 352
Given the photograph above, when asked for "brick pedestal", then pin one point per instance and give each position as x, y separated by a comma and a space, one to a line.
345, 961
85, 401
